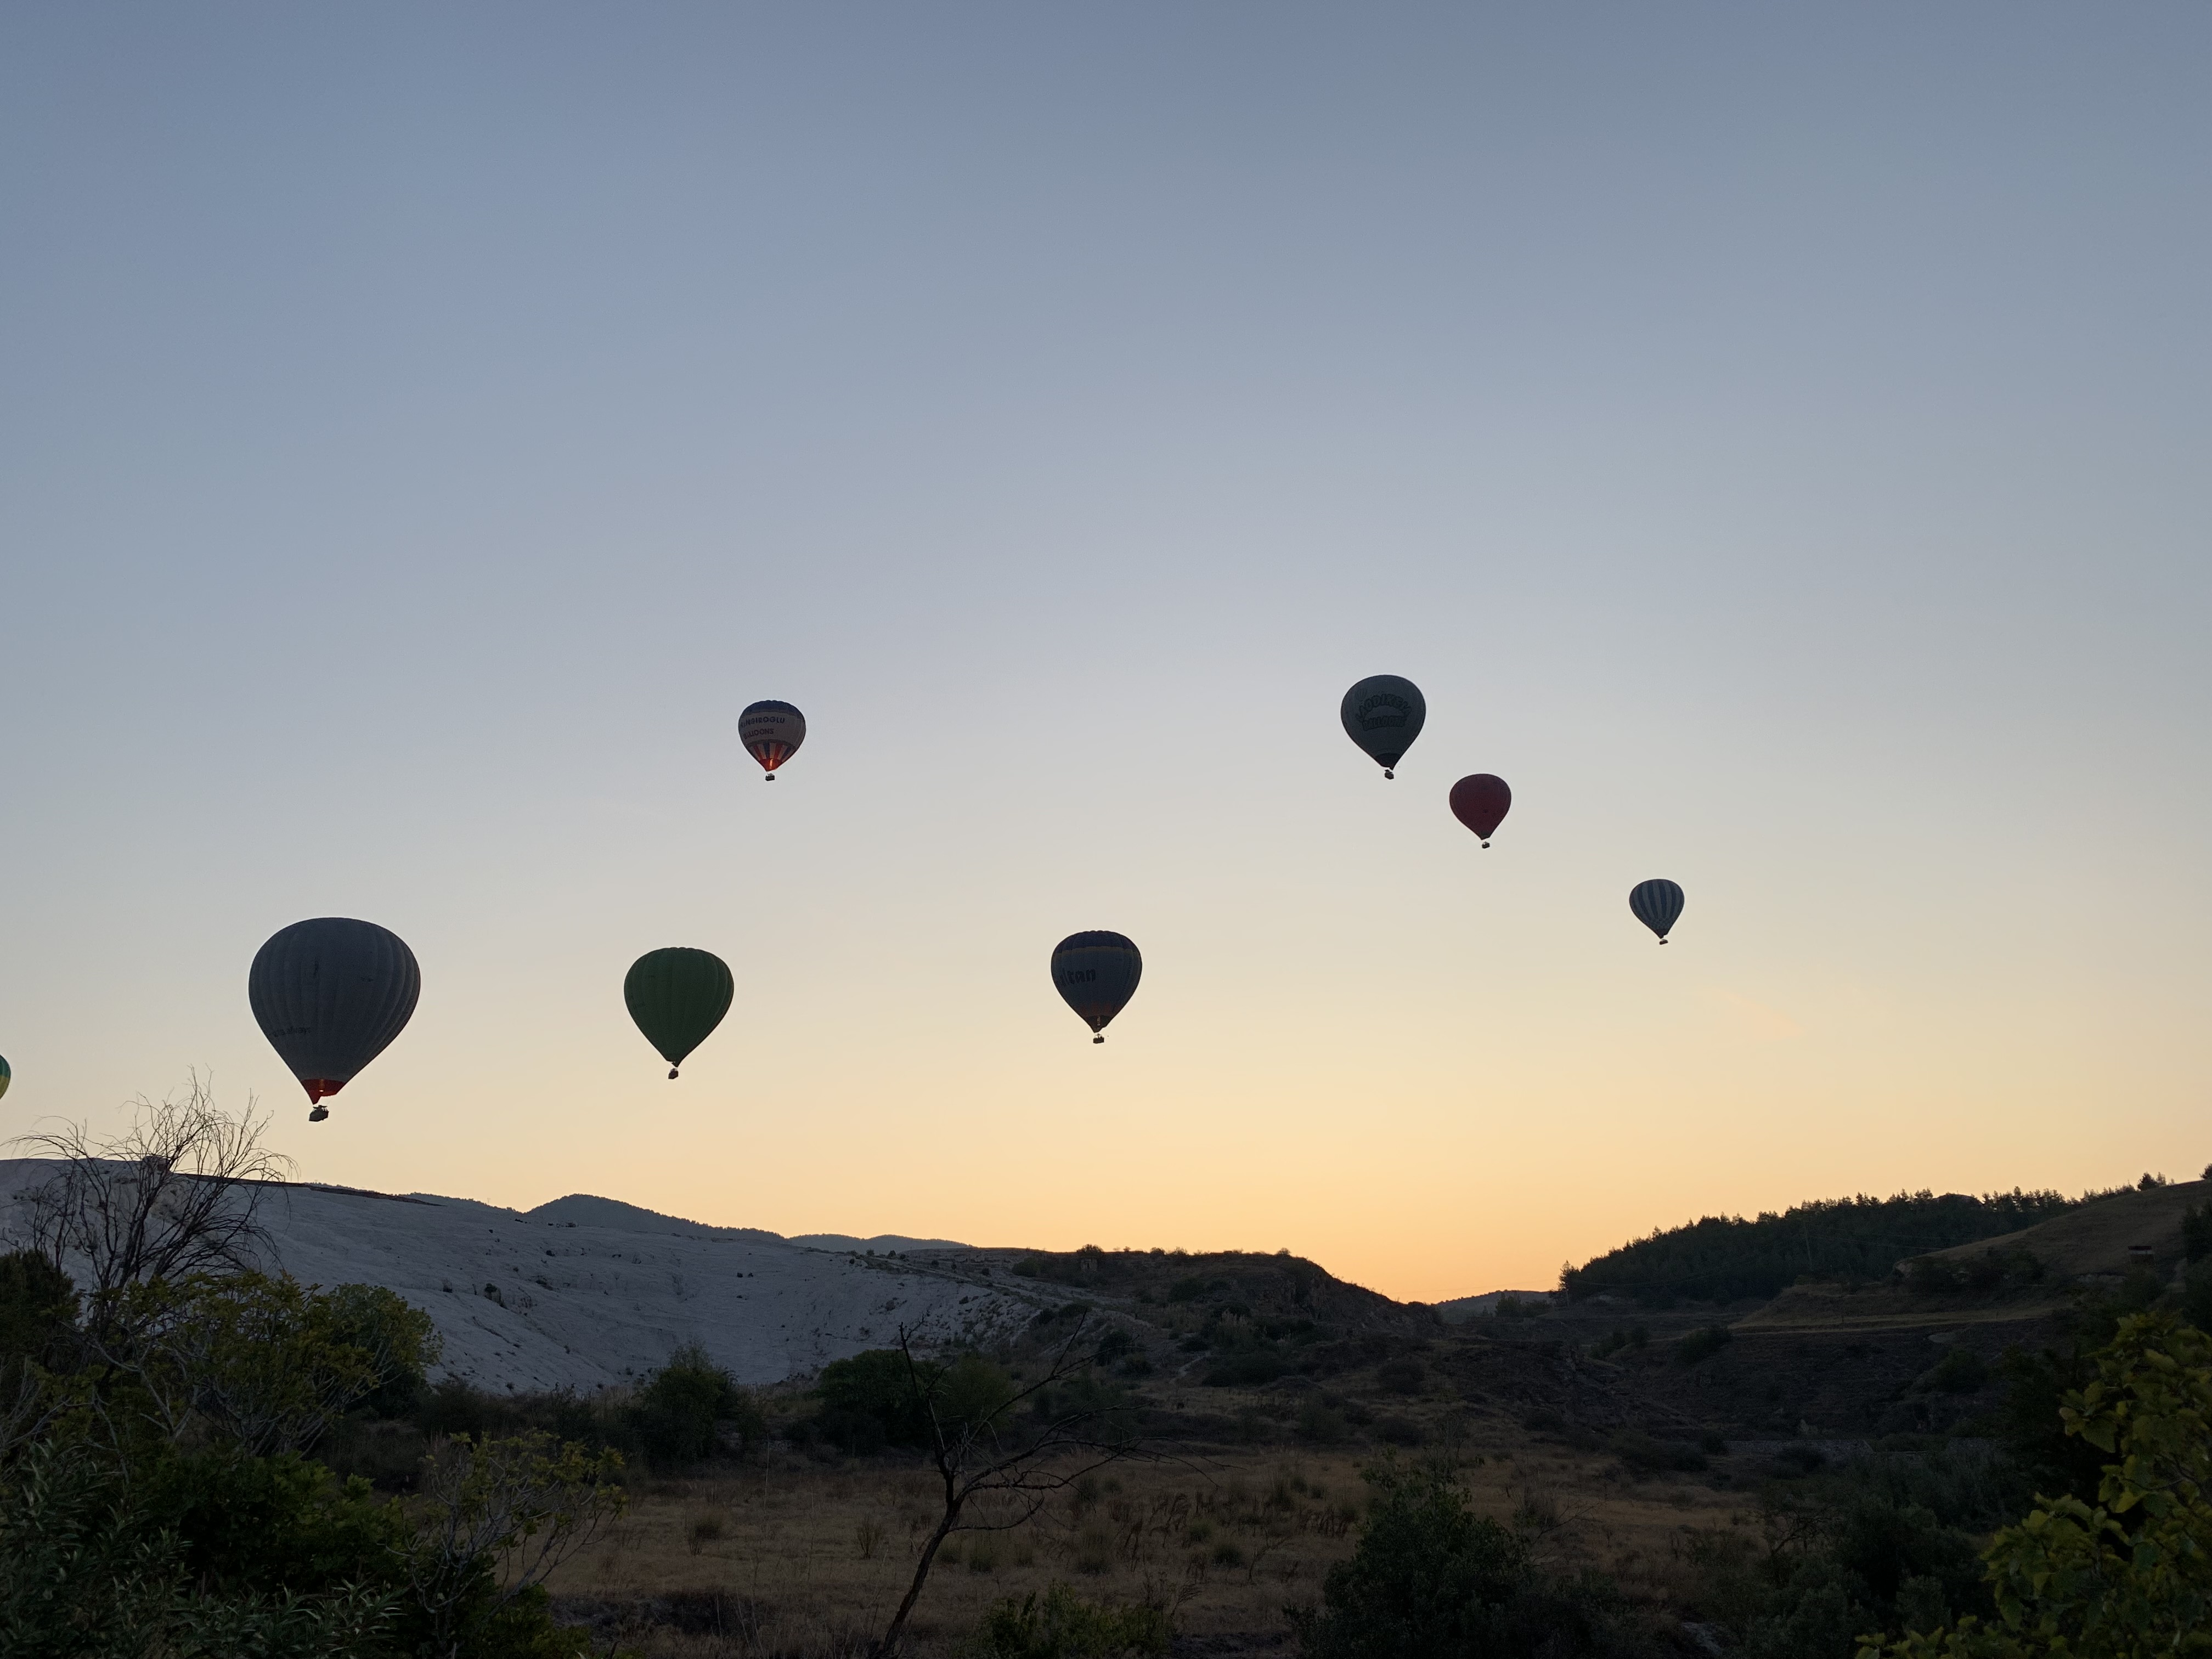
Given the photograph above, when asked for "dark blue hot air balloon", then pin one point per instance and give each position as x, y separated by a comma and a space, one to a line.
1656, 904
1384, 714
1096, 974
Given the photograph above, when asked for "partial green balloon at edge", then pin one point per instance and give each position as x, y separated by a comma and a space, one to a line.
678, 997
6, 1076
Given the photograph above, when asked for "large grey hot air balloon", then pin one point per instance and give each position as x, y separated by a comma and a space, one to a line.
1096, 974
1656, 904
331, 994
1382, 715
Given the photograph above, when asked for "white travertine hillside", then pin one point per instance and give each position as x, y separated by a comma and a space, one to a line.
583, 1304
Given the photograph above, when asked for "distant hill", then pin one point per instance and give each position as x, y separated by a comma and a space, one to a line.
586, 1211
1851, 1240
1462, 1308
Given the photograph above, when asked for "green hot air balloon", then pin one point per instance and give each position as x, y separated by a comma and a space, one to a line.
6, 1076
678, 997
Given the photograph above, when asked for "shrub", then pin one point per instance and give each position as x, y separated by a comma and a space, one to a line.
1061, 1625
1401, 1375
2133, 1573
870, 1400
679, 1411
1960, 1370
1430, 1578
1701, 1345
1321, 1421
1246, 1369
2197, 1232
38, 1310
400, 1339
1645, 1456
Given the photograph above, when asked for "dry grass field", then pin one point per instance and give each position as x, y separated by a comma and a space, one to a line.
796, 1558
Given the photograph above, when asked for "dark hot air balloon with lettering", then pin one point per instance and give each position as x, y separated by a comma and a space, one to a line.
331, 994
1481, 802
678, 997
1656, 904
1383, 714
1096, 974
771, 732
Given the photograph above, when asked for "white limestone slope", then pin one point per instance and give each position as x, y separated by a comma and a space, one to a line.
581, 1303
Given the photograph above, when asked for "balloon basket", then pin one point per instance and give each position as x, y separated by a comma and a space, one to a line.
1098, 1039
672, 1074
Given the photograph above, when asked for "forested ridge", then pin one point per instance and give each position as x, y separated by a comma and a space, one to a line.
1728, 1258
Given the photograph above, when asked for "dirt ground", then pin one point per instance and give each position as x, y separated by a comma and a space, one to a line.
792, 1557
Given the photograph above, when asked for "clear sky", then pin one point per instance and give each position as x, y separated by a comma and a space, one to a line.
1775, 438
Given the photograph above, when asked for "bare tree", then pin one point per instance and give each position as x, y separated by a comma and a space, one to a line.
174, 1195
1003, 1449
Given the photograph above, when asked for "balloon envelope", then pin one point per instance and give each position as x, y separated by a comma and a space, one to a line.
6, 1076
331, 994
1656, 904
678, 997
771, 732
1096, 974
1481, 802
1383, 714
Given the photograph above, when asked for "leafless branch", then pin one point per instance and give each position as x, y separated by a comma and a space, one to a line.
174, 1195
987, 1454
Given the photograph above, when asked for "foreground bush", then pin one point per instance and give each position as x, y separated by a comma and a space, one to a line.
2131, 1574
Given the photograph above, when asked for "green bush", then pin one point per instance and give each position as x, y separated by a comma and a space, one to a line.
1061, 1625
1401, 1375
1430, 1579
679, 1412
1960, 1370
2197, 1232
1702, 1345
37, 1313
2131, 1573
399, 1339
1246, 1370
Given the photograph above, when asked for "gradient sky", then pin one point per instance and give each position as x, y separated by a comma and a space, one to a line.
1775, 438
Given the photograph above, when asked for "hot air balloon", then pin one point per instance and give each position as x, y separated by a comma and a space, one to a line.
331, 994
678, 997
1481, 802
1382, 715
1657, 903
1096, 974
6, 1076
771, 732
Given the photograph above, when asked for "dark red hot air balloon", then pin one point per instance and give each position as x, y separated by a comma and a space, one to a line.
1481, 803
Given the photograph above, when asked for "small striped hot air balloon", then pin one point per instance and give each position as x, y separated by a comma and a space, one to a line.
331, 994
1656, 904
6, 1076
1383, 714
678, 997
771, 732
1096, 974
